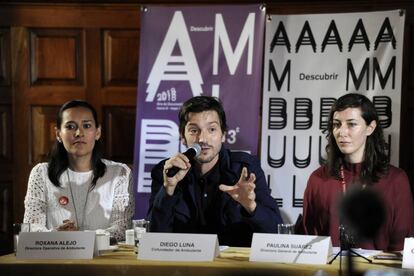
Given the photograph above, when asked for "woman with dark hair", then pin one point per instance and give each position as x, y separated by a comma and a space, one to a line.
77, 189
357, 158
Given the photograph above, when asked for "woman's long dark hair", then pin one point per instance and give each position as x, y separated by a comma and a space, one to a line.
376, 161
58, 156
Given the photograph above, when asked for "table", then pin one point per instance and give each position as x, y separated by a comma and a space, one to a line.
233, 261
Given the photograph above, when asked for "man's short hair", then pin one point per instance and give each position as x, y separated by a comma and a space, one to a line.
199, 104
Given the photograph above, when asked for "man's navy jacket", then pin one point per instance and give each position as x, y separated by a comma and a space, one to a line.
233, 224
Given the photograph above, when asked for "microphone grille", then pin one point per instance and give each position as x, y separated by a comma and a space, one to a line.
197, 148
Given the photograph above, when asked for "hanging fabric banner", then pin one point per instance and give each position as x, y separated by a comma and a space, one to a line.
191, 51
311, 60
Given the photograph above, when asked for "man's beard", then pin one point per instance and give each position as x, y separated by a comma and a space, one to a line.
202, 160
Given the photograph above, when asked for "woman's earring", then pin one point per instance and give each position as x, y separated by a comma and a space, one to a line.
59, 140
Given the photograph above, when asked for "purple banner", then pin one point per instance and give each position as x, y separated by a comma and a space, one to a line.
192, 51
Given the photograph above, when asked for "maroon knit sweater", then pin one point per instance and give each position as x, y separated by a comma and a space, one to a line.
320, 207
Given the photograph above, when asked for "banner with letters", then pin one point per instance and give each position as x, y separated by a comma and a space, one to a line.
190, 51
310, 60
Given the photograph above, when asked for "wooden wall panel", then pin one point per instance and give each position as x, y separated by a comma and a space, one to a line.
121, 48
21, 114
43, 123
4, 57
119, 133
56, 57
6, 196
6, 152
5, 134
4, 205
72, 15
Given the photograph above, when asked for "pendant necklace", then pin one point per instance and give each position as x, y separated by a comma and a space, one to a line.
343, 182
80, 226
342, 176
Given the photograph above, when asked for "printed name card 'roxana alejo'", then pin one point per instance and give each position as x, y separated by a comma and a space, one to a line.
178, 247
296, 249
56, 245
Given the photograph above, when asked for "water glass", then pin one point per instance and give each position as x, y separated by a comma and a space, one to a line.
102, 239
130, 237
140, 226
286, 229
17, 228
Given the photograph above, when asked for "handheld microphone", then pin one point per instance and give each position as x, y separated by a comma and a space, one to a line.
192, 152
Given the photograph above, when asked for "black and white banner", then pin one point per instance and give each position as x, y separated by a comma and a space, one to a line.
310, 60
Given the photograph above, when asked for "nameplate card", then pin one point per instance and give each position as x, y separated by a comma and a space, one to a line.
408, 253
56, 245
178, 247
295, 249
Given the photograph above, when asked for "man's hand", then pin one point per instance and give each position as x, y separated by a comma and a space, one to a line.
180, 161
243, 191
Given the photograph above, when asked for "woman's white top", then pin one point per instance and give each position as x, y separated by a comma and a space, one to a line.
109, 205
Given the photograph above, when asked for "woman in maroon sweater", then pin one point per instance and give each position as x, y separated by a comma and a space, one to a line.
357, 157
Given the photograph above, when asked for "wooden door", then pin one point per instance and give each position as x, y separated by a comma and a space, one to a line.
60, 53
